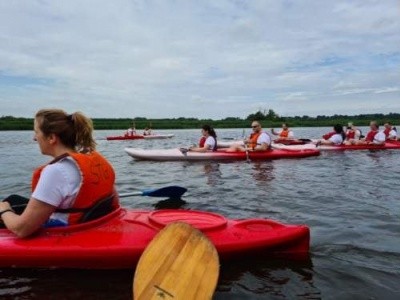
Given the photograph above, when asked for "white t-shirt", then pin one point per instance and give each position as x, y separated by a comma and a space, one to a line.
264, 138
357, 135
336, 139
58, 186
210, 142
379, 138
392, 134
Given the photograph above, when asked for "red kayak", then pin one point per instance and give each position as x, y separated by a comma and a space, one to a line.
139, 136
125, 137
117, 240
387, 146
292, 141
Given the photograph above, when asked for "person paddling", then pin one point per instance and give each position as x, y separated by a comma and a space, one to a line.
257, 141
390, 132
72, 183
336, 137
284, 133
352, 133
208, 141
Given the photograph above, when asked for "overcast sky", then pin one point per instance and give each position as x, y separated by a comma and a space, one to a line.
201, 58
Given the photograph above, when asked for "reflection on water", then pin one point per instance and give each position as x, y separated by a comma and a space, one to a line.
213, 173
65, 284
263, 171
279, 278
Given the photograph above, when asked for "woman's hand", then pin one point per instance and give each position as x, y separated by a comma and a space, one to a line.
4, 205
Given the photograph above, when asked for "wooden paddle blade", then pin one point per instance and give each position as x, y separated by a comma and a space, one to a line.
179, 263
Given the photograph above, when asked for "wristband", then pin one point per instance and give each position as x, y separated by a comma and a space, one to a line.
4, 211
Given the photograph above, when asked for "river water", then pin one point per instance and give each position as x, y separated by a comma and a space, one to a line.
350, 201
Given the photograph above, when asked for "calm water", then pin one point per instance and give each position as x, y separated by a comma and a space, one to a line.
349, 200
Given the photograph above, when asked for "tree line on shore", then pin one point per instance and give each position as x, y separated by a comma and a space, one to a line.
268, 119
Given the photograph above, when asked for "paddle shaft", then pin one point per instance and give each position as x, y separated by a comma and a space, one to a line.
175, 192
247, 152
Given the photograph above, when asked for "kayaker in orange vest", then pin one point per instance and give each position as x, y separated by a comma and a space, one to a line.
374, 137
72, 183
352, 133
130, 132
390, 133
336, 137
257, 141
208, 141
283, 134
147, 131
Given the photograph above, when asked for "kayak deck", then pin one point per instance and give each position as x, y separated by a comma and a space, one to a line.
178, 155
117, 240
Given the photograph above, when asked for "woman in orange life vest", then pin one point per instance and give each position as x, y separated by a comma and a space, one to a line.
285, 133
390, 132
76, 179
352, 133
208, 141
257, 141
336, 137
147, 131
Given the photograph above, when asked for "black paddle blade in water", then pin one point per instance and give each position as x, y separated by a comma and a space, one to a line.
174, 192
170, 203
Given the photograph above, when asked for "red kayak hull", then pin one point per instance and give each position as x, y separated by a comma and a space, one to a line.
116, 241
387, 146
124, 137
289, 142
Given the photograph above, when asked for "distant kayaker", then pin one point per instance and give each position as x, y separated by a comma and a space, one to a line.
147, 131
390, 132
208, 141
76, 180
257, 141
336, 137
284, 133
130, 132
373, 137
352, 133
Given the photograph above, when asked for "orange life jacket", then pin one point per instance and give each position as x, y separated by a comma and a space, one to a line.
284, 133
202, 141
328, 135
371, 135
253, 140
351, 134
98, 178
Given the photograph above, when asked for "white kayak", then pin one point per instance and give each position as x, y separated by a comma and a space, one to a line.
221, 154
227, 144
158, 136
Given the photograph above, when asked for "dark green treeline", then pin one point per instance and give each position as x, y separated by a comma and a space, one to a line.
268, 119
